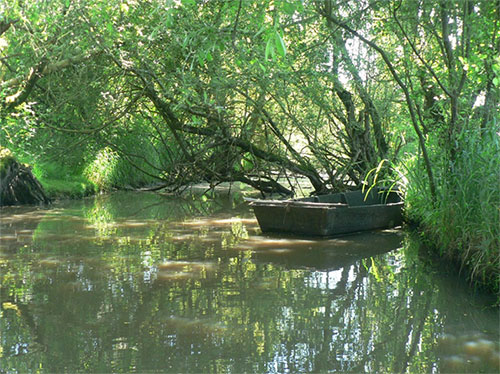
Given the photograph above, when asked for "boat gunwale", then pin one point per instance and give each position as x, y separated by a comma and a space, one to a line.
302, 204
315, 205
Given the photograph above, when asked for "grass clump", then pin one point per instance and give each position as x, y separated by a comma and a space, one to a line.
102, 171
108, 171
464, 223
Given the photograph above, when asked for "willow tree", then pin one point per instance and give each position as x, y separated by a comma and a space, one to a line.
47, 62
199, 91
245, 91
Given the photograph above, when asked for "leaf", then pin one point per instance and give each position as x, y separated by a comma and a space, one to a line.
201, 58
280, 45
289, 8
262, 29
187, 3
376, 175
209, 57
269, 48
496, 68
169, 22
496, 81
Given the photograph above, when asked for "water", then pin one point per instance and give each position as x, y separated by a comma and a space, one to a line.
134, 282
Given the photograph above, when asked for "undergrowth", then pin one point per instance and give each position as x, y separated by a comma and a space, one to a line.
61, 181
76, 178
464, 223
107, 171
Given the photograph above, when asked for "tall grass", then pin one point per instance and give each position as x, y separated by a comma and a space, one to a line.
464, 223
96, 170
107, 171
102, 171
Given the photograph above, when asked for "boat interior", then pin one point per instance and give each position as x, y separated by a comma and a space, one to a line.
357, 198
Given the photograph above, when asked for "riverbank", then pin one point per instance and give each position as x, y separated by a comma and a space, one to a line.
72, 188
478, 259
478, 267
462, 222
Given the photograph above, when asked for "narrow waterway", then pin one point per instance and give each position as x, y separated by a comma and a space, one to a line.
142, 282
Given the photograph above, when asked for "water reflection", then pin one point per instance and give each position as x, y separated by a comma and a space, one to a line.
474, 352
134, 283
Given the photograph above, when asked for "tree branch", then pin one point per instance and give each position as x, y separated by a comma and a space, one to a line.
408, 98
427, 66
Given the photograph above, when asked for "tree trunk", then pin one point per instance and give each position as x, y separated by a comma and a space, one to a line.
18, 185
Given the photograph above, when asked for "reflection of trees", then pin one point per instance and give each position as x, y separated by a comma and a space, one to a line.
100, 305
17, 225
399, 306
287, 322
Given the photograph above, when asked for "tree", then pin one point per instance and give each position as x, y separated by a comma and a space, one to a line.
215, 107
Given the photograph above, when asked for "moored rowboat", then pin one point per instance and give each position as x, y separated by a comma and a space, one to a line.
329, 215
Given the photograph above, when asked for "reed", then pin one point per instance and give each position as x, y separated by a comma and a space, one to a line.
109, 170
464, 223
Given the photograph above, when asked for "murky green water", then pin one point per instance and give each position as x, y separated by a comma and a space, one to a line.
146, 283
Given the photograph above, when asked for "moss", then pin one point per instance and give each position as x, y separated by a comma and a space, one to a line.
18, 185
5, 162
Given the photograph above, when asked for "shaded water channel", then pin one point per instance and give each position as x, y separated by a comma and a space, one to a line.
140, 282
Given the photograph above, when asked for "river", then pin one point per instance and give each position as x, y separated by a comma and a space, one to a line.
143, 282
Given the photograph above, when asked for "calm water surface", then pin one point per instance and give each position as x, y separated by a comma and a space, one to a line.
140, 282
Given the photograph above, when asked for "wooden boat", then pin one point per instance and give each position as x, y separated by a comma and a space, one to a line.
329, 215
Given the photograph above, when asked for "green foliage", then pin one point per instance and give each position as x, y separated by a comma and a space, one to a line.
60, 181
72, 187
275, 44
102, 171
465, 222
107, 171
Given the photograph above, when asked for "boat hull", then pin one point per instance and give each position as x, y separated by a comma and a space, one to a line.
348, 213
